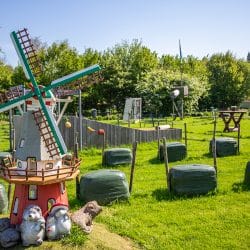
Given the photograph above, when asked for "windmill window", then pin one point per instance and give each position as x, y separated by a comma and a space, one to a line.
32, 192
15, 208
51, 202
21, 144
62, 187
19, 164
49, 166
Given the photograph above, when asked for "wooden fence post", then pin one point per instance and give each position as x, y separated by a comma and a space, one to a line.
132, 166
165, 154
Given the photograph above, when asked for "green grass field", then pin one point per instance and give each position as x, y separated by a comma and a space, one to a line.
154, 219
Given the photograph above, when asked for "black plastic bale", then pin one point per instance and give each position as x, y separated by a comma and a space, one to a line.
247, 174
176, 151
104, 186
192, 179
225, 146
117, 156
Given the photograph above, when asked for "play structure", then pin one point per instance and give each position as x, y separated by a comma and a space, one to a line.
41, 162
132, 110
177, 95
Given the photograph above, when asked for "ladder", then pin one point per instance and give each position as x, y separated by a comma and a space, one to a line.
46, 133
29, 51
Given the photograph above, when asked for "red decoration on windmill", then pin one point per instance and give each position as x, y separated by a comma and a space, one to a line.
42, 163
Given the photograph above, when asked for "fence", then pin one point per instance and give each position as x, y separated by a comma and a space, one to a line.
114, 135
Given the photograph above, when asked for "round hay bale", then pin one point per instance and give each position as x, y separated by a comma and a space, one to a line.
117, 156
104, 186
176, 151
192, 179
247, 174
3, 200
225, 146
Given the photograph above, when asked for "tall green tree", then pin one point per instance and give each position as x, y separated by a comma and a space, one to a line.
229, 80
5, 76
124, 66
58, 60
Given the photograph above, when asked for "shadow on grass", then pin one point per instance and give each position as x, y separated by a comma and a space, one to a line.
240, 187
162, 194
155, 160
208, 155
75, 203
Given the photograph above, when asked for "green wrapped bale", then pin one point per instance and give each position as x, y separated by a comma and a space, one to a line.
117, 156
176, 151
192, 179
247, 174
104, 186
225, 146
3, 200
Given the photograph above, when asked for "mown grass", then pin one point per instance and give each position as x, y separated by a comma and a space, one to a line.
155, 219
4, 136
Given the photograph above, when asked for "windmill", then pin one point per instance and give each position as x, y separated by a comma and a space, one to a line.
42, 163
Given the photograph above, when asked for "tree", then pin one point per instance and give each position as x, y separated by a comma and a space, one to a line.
248, 57
124, 66
18, 77
5, 76
58, 60
229, 80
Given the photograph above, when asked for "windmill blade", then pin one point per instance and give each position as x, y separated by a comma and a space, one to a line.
48, 118
15, 102
22, 47
26, 52
54, 144
71, 77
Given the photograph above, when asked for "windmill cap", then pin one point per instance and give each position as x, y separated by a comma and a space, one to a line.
58, 206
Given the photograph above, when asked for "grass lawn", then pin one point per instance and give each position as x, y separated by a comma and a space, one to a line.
154, 219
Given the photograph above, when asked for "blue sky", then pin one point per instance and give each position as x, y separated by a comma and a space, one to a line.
204, 27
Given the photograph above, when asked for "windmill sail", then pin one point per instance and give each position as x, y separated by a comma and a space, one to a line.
43, 117
46, 133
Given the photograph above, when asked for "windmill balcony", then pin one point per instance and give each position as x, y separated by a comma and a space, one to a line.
68, 171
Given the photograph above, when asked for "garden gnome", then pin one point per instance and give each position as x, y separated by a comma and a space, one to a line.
33, 226
58, 223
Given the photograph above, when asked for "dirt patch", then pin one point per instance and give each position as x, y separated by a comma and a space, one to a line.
102, 238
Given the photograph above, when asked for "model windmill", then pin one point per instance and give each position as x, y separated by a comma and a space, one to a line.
42, 164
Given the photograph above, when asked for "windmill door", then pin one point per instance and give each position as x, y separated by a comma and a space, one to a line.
31, 166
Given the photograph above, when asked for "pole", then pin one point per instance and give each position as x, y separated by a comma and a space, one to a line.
132, 167
181, 71
185, 132
214, 145
77, 177
158, 141
238, 139
165, 155
80, 119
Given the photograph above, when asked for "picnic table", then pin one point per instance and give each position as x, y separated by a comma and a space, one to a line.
231, 116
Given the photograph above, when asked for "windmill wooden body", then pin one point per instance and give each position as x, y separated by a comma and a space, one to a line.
42, 163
